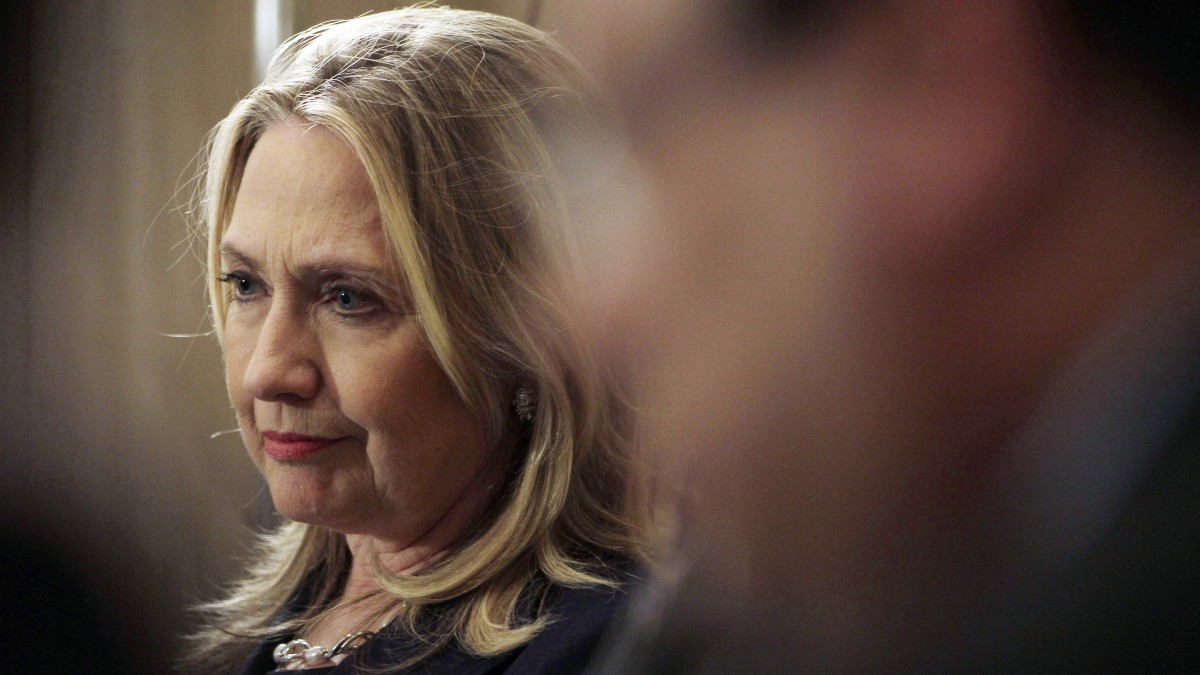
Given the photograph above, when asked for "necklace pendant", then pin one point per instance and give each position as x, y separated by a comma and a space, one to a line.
288, 652
315, 656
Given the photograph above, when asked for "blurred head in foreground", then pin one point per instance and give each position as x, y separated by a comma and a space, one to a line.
911, 290
389, 282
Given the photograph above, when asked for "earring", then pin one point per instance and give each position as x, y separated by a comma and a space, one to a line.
524, 402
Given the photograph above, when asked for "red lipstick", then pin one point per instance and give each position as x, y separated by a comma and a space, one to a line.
285, 447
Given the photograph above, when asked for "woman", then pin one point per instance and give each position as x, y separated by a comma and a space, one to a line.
390, 285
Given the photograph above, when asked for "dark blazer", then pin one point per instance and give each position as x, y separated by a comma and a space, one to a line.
580, 618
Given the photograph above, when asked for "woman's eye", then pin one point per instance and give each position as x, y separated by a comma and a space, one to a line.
243, 286
351, 301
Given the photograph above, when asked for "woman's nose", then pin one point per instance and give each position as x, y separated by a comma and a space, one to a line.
285, 361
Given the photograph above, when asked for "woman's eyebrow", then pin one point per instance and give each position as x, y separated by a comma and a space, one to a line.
381, 274
231, 251
378, 278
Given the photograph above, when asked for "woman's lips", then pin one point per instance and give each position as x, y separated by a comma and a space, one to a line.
285, 446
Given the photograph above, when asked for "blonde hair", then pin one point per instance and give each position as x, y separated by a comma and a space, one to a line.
449, 112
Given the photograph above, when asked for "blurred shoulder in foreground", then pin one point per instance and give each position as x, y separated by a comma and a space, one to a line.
913, 292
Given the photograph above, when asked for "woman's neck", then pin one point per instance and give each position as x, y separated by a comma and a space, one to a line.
361, 605
406, 556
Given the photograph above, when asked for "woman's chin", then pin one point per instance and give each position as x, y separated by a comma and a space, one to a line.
300, 513
303, 494
303, 507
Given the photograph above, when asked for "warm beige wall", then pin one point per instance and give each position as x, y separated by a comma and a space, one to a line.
105, 423
310, 12
108, 459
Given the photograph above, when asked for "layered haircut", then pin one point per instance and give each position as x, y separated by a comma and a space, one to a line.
451, 112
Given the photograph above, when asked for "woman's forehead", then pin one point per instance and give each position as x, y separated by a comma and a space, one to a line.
305, 197
296, 159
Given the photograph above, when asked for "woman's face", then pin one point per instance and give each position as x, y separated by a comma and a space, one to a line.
339, 399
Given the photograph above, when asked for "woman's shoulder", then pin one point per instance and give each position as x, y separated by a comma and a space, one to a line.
577, 619
584, 603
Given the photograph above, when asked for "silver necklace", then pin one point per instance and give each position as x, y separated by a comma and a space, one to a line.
315, 655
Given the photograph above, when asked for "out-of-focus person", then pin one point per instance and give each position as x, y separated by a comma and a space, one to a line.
388, 276
912, 292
